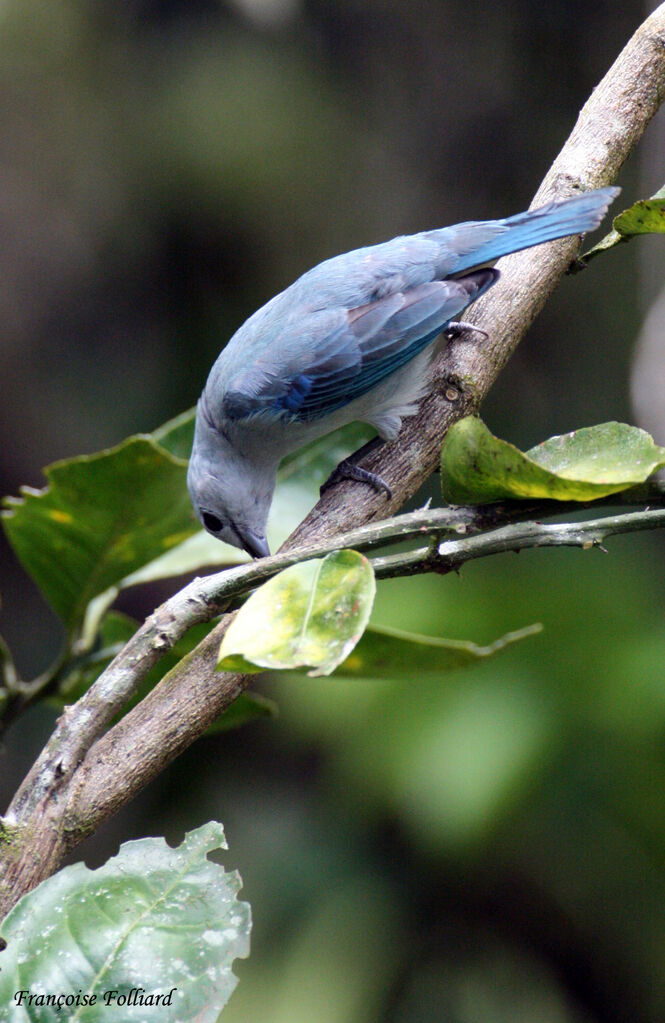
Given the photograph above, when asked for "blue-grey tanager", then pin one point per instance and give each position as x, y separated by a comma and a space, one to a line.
349, 340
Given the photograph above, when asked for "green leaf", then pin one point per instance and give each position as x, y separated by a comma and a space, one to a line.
393, 653
301, 474
201, 550
161, 920
99, 519
110, 520
477, 467
644, 217
310, 615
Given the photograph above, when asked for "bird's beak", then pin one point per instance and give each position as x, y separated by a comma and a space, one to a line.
254, 544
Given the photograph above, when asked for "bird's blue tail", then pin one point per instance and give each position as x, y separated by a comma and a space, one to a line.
487, 241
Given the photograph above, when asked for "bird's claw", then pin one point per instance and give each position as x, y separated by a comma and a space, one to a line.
348, 470
457, 327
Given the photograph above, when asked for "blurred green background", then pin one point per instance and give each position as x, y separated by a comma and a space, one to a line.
482, 848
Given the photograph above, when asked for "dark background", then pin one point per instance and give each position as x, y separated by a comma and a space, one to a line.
487, 846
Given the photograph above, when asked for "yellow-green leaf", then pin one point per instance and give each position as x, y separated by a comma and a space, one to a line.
477, 467
310, 615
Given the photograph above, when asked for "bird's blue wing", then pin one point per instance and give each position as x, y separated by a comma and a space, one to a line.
309, 380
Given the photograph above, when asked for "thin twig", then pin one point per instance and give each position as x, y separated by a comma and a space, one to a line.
450, 555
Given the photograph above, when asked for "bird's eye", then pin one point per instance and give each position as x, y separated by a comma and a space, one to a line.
211, 522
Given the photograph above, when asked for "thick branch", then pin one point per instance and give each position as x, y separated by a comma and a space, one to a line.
69, 799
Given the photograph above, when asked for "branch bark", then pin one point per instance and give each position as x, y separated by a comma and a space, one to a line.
83, 776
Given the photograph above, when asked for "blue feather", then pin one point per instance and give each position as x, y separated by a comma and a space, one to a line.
354, 320
375, 341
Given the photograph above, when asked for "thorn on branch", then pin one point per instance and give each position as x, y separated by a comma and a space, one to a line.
595, 542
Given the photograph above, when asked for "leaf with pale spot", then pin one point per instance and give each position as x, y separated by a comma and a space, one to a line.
310, 615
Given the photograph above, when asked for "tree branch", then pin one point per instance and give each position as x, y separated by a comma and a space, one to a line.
83, 775
450, 555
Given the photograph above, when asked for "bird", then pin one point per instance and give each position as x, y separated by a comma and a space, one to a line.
351, 339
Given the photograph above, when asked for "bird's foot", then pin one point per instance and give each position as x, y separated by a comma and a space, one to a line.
457, 327
348, 470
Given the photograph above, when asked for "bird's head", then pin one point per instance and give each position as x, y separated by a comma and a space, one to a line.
230, 508
231, 494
